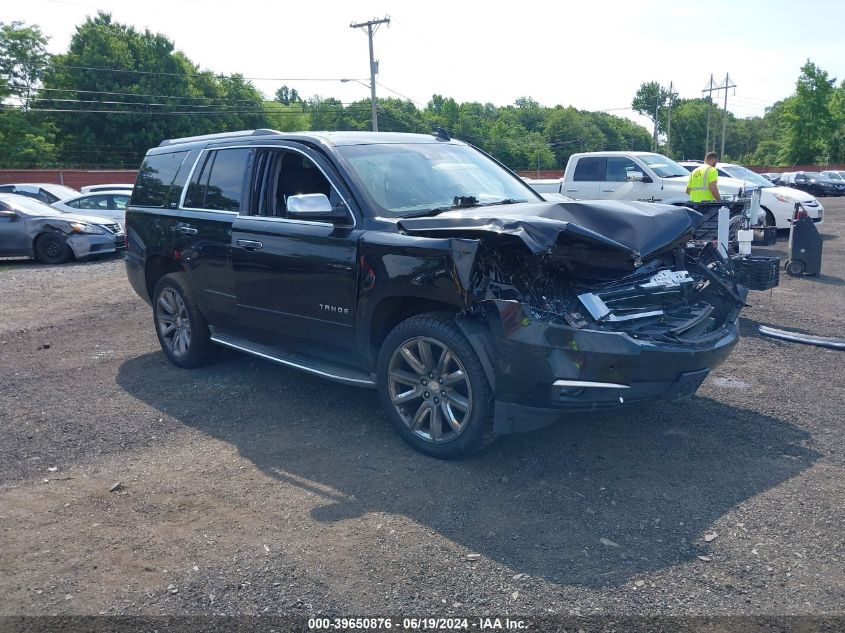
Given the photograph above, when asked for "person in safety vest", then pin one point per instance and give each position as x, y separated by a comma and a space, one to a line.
702, 181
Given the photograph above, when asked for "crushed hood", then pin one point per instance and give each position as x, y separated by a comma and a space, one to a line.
637, 228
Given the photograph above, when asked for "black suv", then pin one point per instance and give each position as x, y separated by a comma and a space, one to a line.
420, 266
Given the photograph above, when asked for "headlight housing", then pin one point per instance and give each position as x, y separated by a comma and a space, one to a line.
90, 229
783, 198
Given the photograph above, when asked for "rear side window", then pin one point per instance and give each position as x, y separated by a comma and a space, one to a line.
588, 168
617, 168
155, 179
219, 184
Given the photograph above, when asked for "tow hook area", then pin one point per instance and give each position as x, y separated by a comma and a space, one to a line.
686, 385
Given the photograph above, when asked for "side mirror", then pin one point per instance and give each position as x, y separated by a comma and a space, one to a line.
314, 206
635, 176
8, 213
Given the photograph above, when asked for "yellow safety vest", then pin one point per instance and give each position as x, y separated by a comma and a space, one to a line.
699, 184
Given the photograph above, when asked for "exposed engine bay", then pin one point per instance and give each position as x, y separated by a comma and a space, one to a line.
628, 267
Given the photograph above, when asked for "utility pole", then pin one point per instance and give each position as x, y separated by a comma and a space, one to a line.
709, 88
672, 96
725, 86
372, 27
656, 114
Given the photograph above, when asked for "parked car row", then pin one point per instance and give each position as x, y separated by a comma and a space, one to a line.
54, 223
30, 228
822, 183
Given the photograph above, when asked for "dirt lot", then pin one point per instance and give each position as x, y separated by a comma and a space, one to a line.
250, 488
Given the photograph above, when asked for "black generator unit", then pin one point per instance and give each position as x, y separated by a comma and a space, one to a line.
805, 245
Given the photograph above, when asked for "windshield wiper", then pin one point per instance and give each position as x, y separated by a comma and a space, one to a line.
504, 201
430, 212
460, 202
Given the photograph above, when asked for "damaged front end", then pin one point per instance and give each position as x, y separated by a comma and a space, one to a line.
593, 305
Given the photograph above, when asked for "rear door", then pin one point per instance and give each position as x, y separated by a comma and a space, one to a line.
212, 201
296, 279
153, 210
615, 184
586, 178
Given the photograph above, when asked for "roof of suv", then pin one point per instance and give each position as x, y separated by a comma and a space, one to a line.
332, 139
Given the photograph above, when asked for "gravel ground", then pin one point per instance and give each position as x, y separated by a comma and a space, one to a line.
248, 488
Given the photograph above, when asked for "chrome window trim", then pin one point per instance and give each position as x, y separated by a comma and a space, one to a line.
278, 147
264, 218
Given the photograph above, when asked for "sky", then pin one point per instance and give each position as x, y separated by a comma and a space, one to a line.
592, 55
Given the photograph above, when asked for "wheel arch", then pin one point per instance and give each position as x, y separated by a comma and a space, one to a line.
156, 267
391, 311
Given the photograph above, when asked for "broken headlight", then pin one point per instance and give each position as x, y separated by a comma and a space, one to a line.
90, 229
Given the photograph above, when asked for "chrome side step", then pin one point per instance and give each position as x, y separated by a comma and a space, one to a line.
320, 368
588, 384
797, 337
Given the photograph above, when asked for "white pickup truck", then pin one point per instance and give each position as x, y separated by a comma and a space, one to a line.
641, 176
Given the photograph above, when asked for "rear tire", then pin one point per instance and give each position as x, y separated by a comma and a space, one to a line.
770, 218
433, 388
180, 326
795, 267
52, 248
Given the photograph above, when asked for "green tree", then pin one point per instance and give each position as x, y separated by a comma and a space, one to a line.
287, 95
650, 97
807, 119
125, 90
27, 139
836, 139
23, 57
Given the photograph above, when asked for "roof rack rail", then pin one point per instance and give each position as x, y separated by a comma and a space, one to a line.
221, 135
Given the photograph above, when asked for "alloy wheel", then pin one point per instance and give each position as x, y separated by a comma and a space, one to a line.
173, 322
430, 389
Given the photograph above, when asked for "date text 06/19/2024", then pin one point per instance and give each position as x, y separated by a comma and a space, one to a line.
418, 624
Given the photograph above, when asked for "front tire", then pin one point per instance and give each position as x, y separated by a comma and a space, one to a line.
433, 387
180, 326
52, 248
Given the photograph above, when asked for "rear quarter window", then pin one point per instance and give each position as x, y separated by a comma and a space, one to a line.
155, 179
588, 169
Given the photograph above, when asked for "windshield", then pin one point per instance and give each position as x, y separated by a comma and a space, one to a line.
29, 206
60, 191
663, 167
743, 173
405, 179
833, 175
812, 174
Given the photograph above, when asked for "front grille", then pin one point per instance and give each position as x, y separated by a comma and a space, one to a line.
662, 308
114, 228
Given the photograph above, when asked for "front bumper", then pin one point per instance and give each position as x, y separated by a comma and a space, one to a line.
532, 355
85, 245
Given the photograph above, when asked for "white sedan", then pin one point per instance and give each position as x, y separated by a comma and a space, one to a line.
106, 204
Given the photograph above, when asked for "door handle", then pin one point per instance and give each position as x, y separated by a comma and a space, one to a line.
249, 245
572, 190
187, 230
608, 190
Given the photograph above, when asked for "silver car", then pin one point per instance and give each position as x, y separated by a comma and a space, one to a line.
29, 228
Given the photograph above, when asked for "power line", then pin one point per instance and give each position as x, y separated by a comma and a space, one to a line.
184, 75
